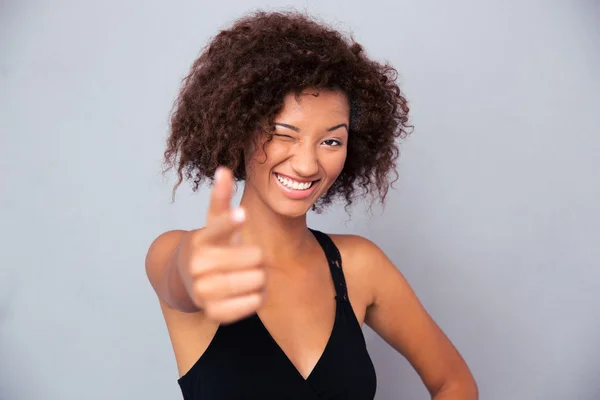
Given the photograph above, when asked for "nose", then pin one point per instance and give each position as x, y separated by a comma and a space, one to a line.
305, 161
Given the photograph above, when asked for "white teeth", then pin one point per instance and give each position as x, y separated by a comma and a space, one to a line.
293, 184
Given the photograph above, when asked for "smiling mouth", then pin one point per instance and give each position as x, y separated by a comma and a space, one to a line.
294, 185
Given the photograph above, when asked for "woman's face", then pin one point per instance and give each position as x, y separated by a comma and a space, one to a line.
305, 156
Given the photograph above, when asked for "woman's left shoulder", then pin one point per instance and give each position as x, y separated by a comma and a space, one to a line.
357, 250
365, 260
363, 263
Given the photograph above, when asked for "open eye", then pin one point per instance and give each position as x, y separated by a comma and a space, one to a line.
332, 142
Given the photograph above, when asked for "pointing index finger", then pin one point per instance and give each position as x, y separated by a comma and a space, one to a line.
220, 196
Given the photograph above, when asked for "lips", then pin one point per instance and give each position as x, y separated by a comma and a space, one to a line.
293, 184
295, 189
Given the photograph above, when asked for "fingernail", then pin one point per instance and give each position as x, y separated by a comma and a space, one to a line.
239, 215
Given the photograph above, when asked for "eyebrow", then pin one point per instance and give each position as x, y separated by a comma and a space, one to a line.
296, 129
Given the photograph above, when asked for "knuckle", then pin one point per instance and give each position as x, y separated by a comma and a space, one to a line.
199, 290
262, 277
199, 302
228, 283
211, 311
254, 301
198, 264
204, 259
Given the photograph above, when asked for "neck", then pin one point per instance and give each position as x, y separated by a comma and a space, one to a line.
278, 236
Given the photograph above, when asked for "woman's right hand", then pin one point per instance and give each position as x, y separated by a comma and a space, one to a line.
222, 276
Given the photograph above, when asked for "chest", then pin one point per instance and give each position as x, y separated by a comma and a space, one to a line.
302, 341
305, 289
299, 312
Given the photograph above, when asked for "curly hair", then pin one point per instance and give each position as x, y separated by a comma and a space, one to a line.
240, 79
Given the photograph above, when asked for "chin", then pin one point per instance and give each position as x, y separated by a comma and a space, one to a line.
290, 210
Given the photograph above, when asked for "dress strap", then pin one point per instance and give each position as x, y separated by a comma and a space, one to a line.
334, 260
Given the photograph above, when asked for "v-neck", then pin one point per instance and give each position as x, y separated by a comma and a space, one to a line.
245, 361
288, 359
328, 257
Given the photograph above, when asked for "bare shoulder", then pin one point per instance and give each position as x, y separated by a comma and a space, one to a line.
161, 248
360, 253
364, 264
356, 246
163, 244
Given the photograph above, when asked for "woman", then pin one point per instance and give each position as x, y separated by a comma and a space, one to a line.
259, 306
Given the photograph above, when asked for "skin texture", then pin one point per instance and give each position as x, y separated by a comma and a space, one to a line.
239, 82
300, 149
309, 133
297, 277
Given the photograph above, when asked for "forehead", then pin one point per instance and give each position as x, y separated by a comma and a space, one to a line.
324, 104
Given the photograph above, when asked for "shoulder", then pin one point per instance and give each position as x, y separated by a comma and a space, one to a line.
166, 237
159, 252
364, 263
163, 245
357, 249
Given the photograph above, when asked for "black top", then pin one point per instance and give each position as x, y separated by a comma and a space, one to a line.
243, 361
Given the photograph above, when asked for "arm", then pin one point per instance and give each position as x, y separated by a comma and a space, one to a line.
398, 317
163, 274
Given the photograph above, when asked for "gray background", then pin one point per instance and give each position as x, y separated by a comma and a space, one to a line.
494, 220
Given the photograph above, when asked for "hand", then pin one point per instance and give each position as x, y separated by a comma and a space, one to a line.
222, 276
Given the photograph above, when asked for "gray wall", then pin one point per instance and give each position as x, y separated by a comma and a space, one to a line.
494, 221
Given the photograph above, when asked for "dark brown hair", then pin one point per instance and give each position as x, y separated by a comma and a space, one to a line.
241, 78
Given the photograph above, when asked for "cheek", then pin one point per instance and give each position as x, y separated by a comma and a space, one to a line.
263, 157
335, 164
270, 153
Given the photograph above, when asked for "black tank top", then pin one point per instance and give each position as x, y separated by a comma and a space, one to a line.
243, 361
